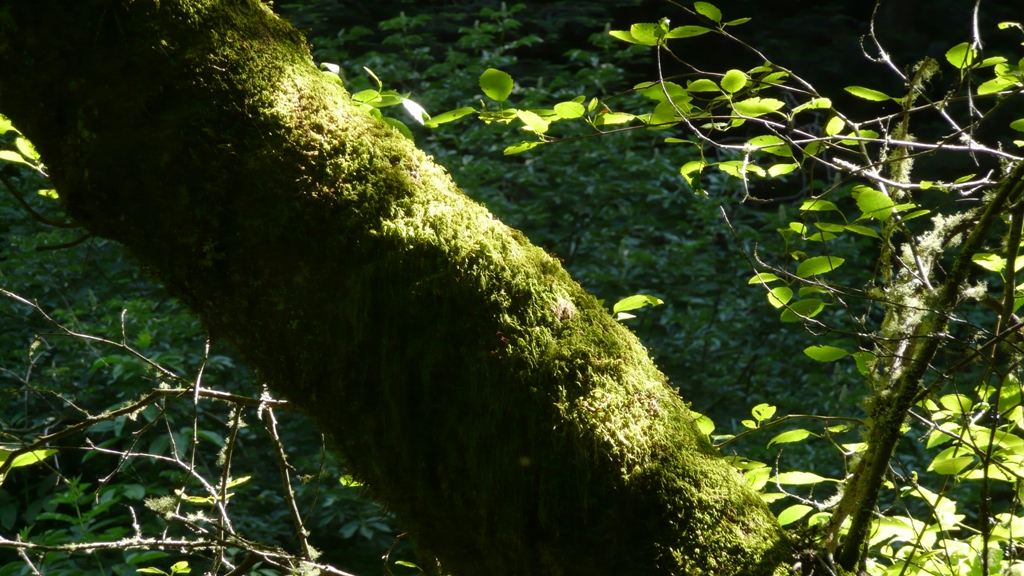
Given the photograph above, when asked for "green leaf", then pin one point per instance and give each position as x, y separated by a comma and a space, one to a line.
521, 147
863, 358
416, 111
801, 478
29, 458
12, 156
818, 205
1018, 125
990, 262
238, 481
400, 126
149, 571
801, 309
764, 277
709, 11
610, 118
349, 482
449, 116
703, 85
26, 148
5, 124
762, 412
961, 56
569, 110
780, 78
691, 172
380, 85
835, 126
829, 227
814, 104
826, 353
646, 34
818, 265
862, 230
947, 463
497, 85
733, 82
793, 513
872, 203
776, 170
779, 296
687, 31
624, 35
867, 93
704, 424
533, 122
772, 145
755, 107
789, 437
997, 84
406, 564
735, 168
636, 301
737, 22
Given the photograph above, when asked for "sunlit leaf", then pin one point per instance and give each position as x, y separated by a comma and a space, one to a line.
872, 203
818, 205
532, 121
835, 126
569, 110
826, 353
793, 513
776, 170
797, 311
862, 230
947, 463
708, 10
497, 85
764, 277
990, 262
416, 111
704, 424
867, 93
636, 301
790, 437
687, 32
734, 81
800, 478
12, 156
449, 116
961, 56
997, 84
818, 265
762, 412
814, 104
779, 296
703, 85
521, 147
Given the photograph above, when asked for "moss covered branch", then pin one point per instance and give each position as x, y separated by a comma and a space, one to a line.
508, 421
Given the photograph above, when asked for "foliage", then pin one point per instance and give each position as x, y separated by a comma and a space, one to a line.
924, 287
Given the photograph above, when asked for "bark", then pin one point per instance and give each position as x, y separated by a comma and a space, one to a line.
495, 407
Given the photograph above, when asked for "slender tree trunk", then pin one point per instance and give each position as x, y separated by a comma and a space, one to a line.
508, 421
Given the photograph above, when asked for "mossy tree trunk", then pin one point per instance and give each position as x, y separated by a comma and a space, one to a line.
508, 421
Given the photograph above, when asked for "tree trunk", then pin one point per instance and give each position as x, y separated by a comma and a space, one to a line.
495, 407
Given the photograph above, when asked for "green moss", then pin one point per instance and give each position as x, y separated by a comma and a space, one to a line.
512, 425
